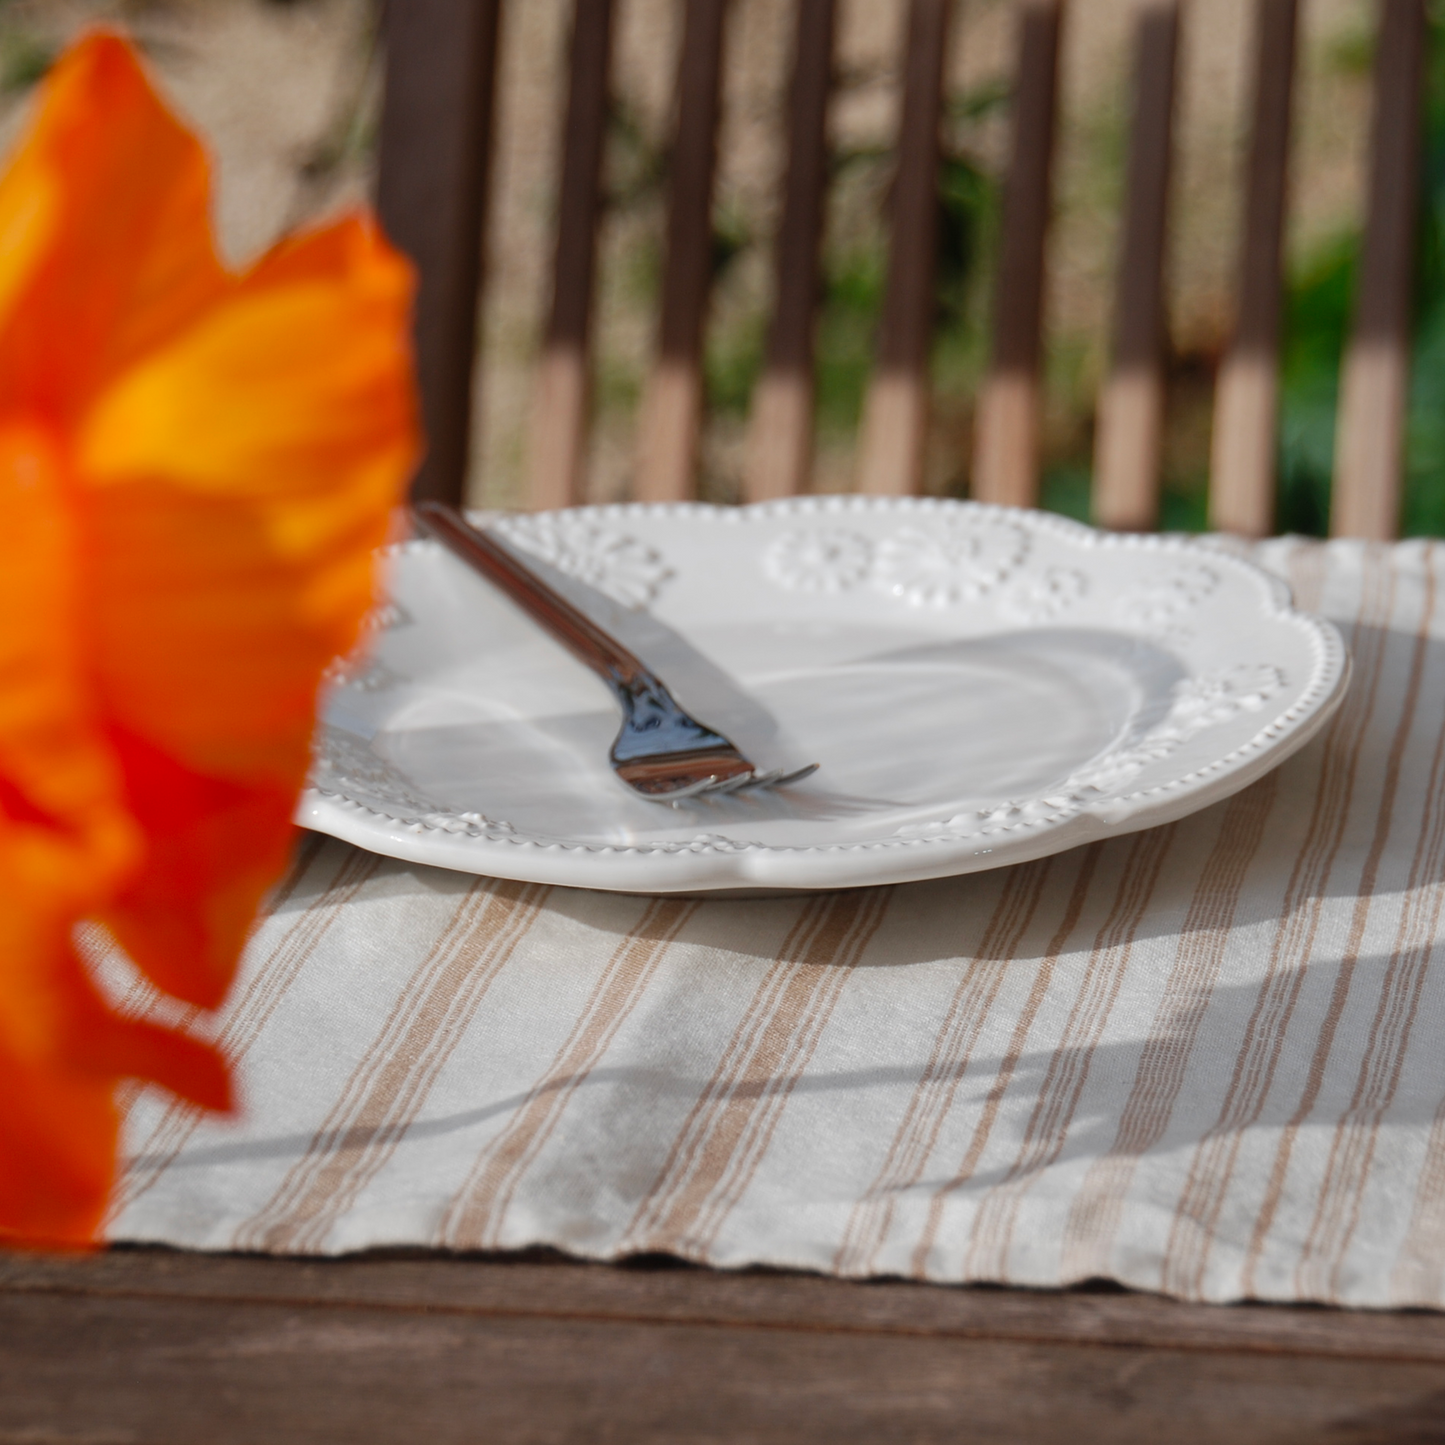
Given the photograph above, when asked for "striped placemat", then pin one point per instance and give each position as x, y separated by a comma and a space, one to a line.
1208, 1059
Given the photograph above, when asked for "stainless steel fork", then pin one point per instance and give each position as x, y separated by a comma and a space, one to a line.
661, 753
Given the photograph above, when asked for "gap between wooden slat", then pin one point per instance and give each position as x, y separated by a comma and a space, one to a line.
562, 395
672, 407
435, 164
1246, 399
895, 416
1374, 380
1131, 406
1006, 430
780, 428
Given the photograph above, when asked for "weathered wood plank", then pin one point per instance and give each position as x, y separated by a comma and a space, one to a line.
672, 408
1369, 437
564, 1289
780, 429
435, 155
562, 391
135, 1366
1006, 431
1246, 398
1131, 408
895, 415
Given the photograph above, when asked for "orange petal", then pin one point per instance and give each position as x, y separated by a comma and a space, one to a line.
238, 481
30, 203
67, 845
123, 191
195, 469
57, 1154
58, 1127
241, 478
214, 847
66, 842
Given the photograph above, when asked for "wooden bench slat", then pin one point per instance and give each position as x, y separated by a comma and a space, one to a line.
435, 153
1246, 399
780, 428
1369, 436
1006, 431
435, 163
1131, 407
562, 390
672, 408
895, 419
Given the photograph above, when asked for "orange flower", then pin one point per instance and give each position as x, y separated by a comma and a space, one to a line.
195, 470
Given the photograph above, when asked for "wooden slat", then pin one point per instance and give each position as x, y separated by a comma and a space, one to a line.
558, 1288
672, 408
1246, 400
562, 395
1369, 440
435, 152
895, 417
780, 429
1006, 431
1131, 407
174, 1349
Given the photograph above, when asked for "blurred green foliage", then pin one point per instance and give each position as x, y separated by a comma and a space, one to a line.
24, 59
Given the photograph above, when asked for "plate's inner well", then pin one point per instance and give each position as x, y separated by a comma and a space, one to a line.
469, 708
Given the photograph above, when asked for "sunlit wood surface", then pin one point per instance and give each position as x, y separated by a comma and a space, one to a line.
1131, 404
1375, 376
895, 412
1246, 396
1006, 429
561, 400
672, 407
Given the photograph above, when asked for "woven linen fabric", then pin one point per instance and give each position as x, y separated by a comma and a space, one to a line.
1207, 1059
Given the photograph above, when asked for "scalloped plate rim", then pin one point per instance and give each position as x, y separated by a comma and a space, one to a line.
754, 869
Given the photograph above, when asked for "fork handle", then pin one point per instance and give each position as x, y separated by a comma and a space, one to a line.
576, 631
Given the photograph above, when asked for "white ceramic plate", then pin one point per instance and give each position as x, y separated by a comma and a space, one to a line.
980, 686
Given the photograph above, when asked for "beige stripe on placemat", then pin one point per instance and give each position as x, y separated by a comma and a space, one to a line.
1211, 1170
1098, 1208
1087, 864
727, 1133
266, 985
1068, 1071
953, 1045
1352, 1149
1344, 976
1419, 1273
390, 1083
475, 1216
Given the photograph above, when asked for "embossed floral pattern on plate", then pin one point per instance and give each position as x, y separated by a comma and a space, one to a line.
628, 571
